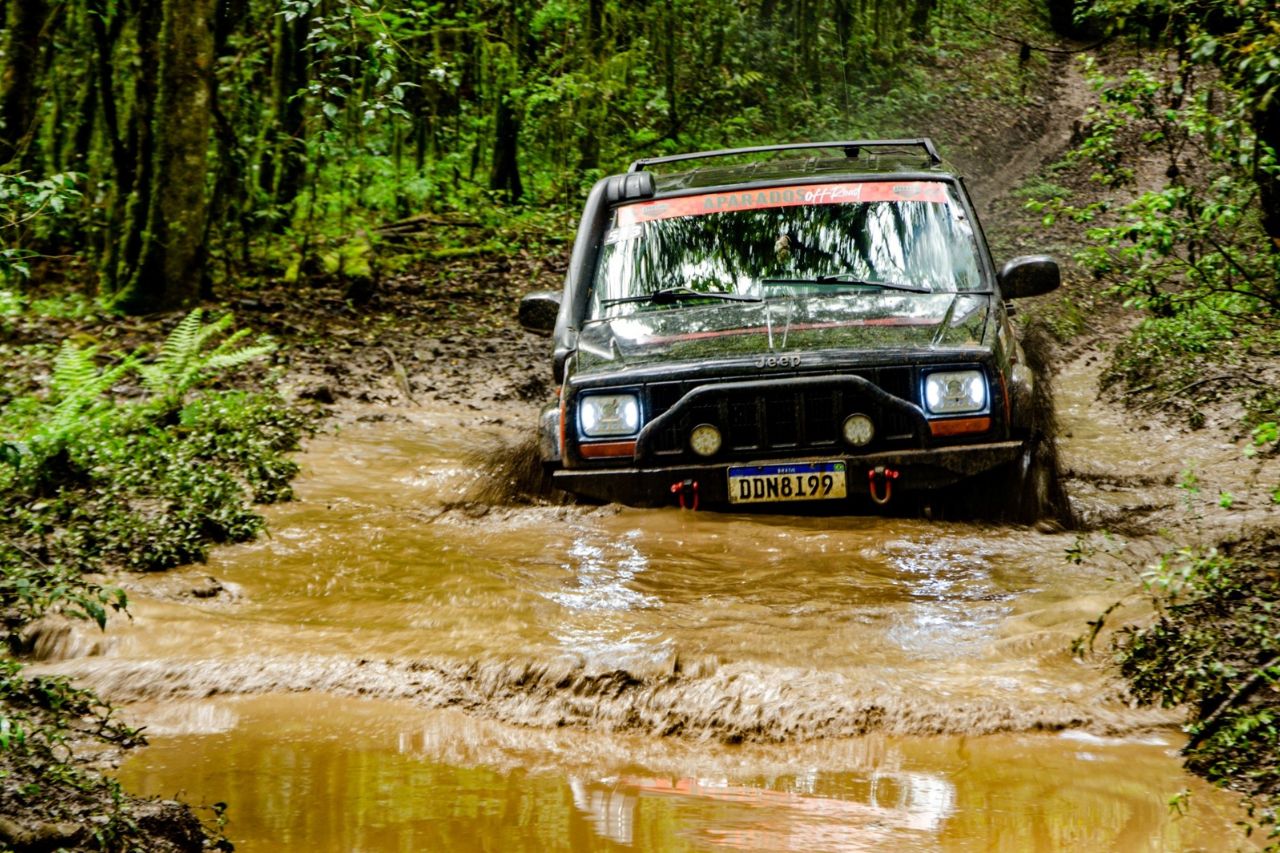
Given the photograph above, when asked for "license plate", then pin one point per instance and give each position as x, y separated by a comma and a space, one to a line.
806, 481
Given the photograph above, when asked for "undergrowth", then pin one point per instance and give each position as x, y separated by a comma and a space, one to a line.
1186, 251
127, 460
94, 480
68, 806
1214, 646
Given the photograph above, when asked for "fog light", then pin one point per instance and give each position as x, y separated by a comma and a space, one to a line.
705, 440
858, 430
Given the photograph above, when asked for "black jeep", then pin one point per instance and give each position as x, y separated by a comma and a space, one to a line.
811, 322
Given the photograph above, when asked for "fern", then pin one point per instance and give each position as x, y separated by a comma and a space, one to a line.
185, 359
76, 375
77, 387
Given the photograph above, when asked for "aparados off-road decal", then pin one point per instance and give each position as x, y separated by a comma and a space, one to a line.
858, 191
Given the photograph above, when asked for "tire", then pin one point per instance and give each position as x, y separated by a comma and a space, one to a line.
1028, 490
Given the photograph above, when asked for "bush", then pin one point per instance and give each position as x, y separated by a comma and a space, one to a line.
1215, 647
1190, 255
55, 800
127, 460
92, 480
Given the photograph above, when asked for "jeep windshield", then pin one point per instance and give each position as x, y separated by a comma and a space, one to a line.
806, 241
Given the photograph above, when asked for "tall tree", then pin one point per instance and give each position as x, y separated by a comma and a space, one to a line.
504, 176
167, 224
285, 163
24, 23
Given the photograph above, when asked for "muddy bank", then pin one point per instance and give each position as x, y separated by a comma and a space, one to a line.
73, 821
55, 742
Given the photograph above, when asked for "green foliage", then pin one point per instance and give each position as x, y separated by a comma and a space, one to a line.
1066, 316
31, 209
42, 720
1185, 255
1171, 352
1242, 37
1215, 647
186, 359
92, 480
29, 589
41, 714
334, 116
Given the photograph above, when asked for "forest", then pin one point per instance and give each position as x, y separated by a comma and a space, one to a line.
203, 140
165, 163
169, 150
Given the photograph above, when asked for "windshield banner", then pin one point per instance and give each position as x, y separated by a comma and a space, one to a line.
933, 192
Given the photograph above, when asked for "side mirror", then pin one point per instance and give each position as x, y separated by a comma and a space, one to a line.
538, 311
1030, 275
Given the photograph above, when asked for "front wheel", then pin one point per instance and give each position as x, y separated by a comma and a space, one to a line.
1029, 489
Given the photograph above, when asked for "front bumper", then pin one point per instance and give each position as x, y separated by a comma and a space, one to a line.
918, 471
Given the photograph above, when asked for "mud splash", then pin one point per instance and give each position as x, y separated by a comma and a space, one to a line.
510, 473
731, 704
710, 626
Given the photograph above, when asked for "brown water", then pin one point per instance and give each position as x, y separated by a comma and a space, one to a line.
569, 678
323, 774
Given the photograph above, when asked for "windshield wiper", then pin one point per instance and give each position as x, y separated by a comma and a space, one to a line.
671, 295
843, 280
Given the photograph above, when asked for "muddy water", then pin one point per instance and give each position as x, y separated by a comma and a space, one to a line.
319, 774
560, 677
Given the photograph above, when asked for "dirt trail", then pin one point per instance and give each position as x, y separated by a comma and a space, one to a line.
1004, 164
467, 393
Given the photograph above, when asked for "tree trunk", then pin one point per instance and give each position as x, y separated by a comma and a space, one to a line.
228, 199
284, 167
1266, 124
169, 231
844, 32
24, 24
76, 156
505, 175
589, 141
104, 39
133, 190
920, 15
669, 68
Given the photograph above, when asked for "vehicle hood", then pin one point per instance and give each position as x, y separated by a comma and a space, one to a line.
794, 325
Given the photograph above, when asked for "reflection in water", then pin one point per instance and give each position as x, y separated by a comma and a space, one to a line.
896, 804
955, 604
612, 812
313, 773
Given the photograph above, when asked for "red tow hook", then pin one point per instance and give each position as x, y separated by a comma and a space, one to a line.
687, 492
881, 475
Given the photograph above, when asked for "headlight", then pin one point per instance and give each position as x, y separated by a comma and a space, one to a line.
954, 393
609, 414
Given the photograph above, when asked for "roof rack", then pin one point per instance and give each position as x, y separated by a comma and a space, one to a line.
850, 148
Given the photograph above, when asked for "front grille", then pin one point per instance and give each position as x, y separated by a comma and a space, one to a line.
782, 418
